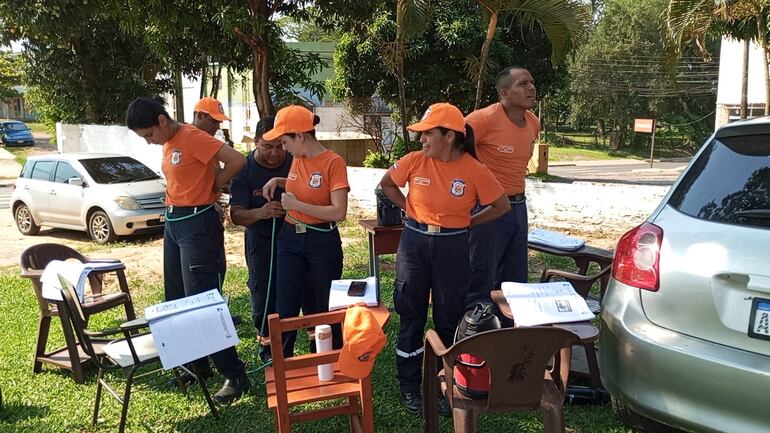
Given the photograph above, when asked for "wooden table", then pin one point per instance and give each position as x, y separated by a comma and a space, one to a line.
382, 240
587, 332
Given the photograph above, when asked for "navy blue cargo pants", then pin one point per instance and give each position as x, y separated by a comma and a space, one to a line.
427, 261
194, 262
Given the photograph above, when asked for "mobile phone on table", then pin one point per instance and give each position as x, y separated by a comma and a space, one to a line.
357, 288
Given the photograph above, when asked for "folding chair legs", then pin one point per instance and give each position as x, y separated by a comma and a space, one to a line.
43, 328
126, 400
98, 396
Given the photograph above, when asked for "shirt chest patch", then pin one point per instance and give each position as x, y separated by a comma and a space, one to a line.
422, 181
176, 157
292, 176
315, 180
505, 149
457, 188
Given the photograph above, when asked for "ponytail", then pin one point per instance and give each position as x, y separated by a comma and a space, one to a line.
463, 141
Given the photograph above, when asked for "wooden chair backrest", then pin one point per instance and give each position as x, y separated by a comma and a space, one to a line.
581, 283
37, 257
516, 373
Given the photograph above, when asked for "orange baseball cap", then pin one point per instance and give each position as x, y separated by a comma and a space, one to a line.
438, 115
364, 340
290, 120
212, 107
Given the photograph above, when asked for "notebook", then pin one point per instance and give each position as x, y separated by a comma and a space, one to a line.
338, 294
555, 240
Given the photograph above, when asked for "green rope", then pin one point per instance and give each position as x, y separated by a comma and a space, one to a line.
170, 219
318, 229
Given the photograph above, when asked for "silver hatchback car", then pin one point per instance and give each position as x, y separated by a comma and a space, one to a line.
685, 323
106, 195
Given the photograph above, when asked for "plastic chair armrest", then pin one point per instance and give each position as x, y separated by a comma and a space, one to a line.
133, 325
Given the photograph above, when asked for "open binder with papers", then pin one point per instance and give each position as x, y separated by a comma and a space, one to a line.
75, 273
554, 240
339, 298
190, 328
543, 303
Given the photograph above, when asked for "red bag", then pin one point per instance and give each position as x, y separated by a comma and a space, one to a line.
471, 372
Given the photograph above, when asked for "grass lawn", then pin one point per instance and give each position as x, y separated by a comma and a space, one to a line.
580, 146
52, 402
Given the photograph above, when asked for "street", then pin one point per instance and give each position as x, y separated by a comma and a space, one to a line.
619, 171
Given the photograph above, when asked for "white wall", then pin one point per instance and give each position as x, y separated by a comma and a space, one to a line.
731, 71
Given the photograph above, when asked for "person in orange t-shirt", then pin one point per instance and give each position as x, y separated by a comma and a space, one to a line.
309, 247
505, 135
445, 182
193, 237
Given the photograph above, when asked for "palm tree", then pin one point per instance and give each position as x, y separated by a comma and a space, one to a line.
692, 20
561, 20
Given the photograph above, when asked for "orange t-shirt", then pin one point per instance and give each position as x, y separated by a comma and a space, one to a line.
312, 181
190, 167
502, 146
444, 193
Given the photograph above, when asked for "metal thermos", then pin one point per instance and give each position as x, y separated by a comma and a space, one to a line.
323, 343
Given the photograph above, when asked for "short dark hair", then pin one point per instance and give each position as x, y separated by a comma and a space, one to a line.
265, 124
143, 112
503, 79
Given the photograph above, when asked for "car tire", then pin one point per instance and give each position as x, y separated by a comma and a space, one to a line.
24, 221
633, 419
100, 228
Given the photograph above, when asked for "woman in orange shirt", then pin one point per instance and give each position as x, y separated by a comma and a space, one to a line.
445, 181
193, 237
309, 246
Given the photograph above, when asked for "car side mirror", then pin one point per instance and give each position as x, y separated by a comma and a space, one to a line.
77, 181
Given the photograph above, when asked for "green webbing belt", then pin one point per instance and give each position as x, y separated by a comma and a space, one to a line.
332, 226
203, 209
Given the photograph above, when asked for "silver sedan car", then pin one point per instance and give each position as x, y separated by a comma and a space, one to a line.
685, 323
106, 195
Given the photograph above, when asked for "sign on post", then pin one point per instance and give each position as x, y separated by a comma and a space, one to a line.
646, 126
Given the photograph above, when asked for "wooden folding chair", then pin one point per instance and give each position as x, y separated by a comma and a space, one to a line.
292, 382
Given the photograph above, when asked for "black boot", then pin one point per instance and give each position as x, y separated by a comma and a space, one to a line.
443, 406
233, 389
412, 402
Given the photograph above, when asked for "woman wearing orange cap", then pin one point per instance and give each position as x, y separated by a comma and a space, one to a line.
445, 181
316, 197
193, 237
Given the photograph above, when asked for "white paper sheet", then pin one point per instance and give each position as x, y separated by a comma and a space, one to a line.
74, 272
544, 303
338, 294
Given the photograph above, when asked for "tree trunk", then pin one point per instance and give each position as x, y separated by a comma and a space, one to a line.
745, 79
178, 97
216, 81
484, 55
204, 80
762, 33
261, 81
400, 71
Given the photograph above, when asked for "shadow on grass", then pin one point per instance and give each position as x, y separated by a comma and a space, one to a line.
14, 412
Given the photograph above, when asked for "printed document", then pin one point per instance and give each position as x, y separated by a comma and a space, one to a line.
339, 299
555, 240
544, 303
190, 328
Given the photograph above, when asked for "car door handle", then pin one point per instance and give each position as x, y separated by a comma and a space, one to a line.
52, 192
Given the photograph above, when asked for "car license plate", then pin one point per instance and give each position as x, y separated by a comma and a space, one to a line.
162, 218
759, 321
20, 141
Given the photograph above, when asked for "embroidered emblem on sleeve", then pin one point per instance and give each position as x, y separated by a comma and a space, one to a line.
176, 157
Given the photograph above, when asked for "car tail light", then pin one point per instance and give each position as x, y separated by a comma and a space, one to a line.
637, 257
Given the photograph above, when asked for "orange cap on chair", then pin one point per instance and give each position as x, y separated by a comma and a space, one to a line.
444, 115
212, 107
290, 120
364, 340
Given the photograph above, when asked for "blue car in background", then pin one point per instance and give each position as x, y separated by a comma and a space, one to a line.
15, 133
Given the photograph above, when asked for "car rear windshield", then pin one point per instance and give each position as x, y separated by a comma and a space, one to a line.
117, 170
14, 126
729, 182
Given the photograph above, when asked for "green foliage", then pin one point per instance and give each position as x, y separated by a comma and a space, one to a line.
10, 74
376, 160
436, 61
619, 73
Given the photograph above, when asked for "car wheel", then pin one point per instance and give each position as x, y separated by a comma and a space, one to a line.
24, 221
100, 228
631, 418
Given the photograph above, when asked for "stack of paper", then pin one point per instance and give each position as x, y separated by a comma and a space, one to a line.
190, 328
339, 299
543, 303
74, 272
555, 240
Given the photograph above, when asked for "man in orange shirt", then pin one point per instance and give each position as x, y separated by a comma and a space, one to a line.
505, 134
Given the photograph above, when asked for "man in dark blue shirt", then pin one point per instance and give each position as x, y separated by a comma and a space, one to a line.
250, 209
